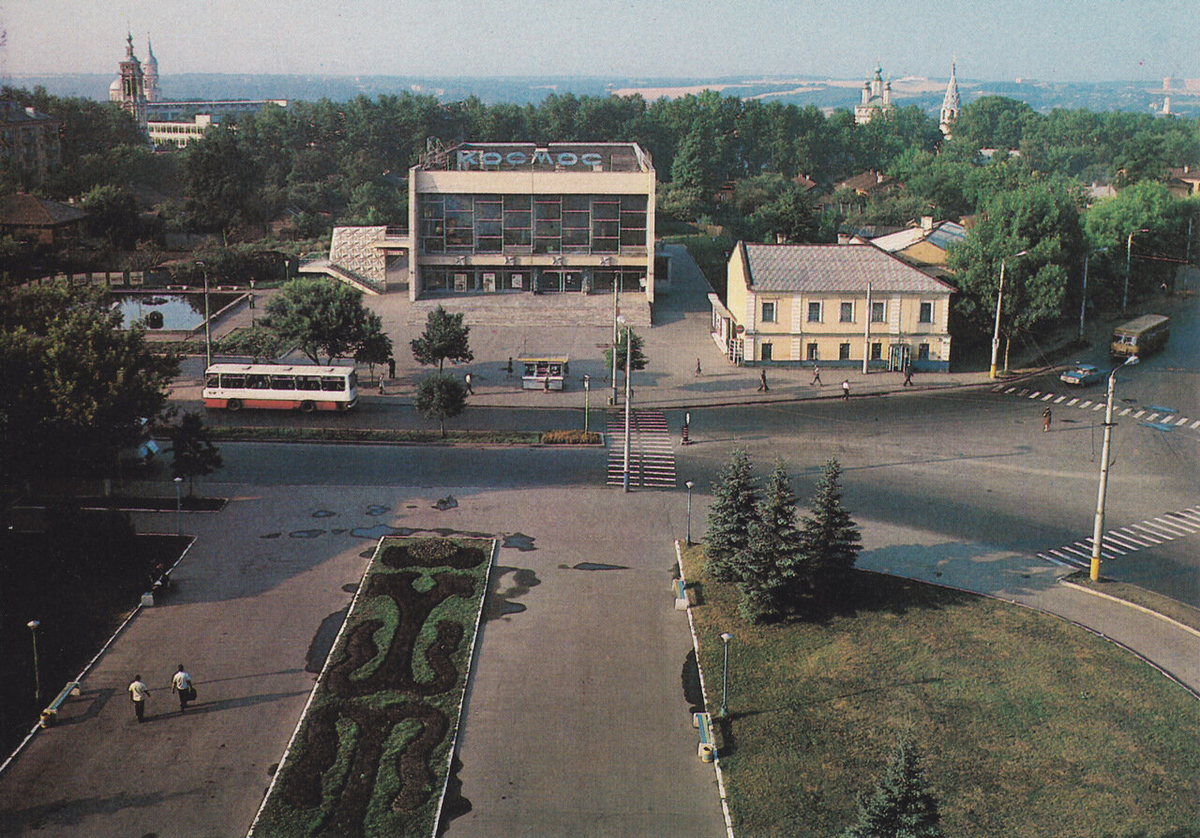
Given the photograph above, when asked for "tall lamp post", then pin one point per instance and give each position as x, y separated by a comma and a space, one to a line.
725, 638
628, 397
1083, 295
207, 329
688, 538
587, 388
999, 299
1128, 250
178, 505
1098, 529
37, 676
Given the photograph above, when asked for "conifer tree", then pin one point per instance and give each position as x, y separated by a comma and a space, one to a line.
902, 805
734, 507
831, 540
771, 573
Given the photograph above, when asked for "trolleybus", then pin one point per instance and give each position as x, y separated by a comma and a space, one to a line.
1140, 336
302, 387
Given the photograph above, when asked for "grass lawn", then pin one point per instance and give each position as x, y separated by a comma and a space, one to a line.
1028, 726
373, 749
412, 436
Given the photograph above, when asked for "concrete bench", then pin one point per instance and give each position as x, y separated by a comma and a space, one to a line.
684, 596
50, 714
707, 749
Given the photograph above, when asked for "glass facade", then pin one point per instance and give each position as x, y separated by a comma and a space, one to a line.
532, 224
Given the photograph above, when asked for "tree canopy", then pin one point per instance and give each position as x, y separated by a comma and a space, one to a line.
444, 339
322, 317
440, 397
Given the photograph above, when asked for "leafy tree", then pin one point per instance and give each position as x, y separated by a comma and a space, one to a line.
441, 397
444, 338
375, 348
830, 539
734, 508
1158, 222
323, 317
1041, 219
222, 182
995, 122
113, 214
78, 386
772, 570
625, 337
194, 454
902, 805
788, 217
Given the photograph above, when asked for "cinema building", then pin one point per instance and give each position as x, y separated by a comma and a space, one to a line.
516, 218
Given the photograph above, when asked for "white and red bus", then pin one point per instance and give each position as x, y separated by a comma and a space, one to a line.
301, 387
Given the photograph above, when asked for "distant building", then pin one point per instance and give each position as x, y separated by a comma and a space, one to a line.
1184, 181
924, 245
950, 104
29, 142
876, 99
563, 218
29, 218
828, 304
137, 91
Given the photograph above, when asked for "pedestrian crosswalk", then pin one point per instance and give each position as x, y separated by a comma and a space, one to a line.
1155, 416
651, 452
1121, 542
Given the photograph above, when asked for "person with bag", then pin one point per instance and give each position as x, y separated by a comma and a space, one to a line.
181, 683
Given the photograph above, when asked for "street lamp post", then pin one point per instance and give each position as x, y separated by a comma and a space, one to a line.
725, 638
617, 319
178, 505
688, 538
207, 326
999, 298
37, 676
628, 399
587, 387
1098, 528
1128, 250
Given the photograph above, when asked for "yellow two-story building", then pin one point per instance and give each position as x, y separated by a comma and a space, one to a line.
832, 304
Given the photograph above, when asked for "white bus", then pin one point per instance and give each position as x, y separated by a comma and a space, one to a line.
302, 387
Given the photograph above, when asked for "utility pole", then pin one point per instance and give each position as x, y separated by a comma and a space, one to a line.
999, 299
1098, 528
207, 328
628, 398
1128, 250
867, 331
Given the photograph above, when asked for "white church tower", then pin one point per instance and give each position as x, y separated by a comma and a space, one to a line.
950, 103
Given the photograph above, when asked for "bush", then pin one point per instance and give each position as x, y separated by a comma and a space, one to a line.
570, 438
433, 549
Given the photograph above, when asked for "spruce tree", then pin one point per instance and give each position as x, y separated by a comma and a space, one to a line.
831, 540
734, 507
902, 805
771, 573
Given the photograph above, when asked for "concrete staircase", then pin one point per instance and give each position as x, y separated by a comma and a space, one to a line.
542, 309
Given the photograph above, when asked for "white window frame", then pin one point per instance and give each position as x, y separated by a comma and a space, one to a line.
774, 318
921, 311
820, 318
842, 311
882, 311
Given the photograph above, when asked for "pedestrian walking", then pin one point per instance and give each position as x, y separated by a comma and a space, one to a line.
181, 683
467, 380
1046, 419
762, 381
508, 369
816, 379
908, 375
698, 368
139, 692
845, 389
382, 386
391, 366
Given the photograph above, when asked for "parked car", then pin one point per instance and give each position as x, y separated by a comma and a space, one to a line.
1081, 374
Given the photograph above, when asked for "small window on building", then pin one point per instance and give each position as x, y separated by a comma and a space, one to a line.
843, 352
768, 312
877, 352
810, 352
847, 312
926, 313
877, 312
922, 352
814, 312
766, 350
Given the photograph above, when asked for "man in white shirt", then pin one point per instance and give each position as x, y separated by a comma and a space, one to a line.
181, 683
139, 692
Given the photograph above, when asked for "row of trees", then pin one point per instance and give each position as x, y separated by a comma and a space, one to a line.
753, 540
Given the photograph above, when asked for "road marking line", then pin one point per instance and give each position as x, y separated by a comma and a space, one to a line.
1104, 545
1048, 396
1098, 407
1072, 402
1112, 536
1085, 404
1195, 424
1153, 534
1076, 552
1139, 414
1188, 515
1035, 394
1182, 421
1060, 399
1168, 526
1058, 562
1011, 390
1144, 540
1125, 412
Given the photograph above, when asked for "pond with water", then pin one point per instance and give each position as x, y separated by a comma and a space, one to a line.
180, 312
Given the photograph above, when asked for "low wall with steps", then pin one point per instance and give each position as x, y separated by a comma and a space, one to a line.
548, 309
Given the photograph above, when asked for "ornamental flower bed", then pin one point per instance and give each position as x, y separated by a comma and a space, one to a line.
372, 753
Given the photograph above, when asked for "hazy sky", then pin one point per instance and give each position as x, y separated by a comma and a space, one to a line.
1059, 40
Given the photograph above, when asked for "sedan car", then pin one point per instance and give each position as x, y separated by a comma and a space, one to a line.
1081, 374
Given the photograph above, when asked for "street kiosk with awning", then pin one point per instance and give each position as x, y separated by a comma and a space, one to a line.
546, 372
